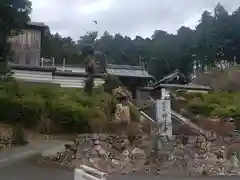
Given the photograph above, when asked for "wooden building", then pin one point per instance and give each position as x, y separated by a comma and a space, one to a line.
53, 75
27, 45
132, 77
174, 78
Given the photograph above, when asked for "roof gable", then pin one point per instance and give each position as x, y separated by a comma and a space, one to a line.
172, 76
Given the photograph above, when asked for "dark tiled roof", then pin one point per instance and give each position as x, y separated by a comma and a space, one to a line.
127, 67
177, 86
75, 74
39, 24
32, 68
127, 71
188, 87
171, 76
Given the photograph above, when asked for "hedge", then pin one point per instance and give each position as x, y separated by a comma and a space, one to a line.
214, 104
70, 109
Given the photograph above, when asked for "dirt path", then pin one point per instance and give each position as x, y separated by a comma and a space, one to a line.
12, 155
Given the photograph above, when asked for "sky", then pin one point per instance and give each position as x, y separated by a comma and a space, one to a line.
128, 17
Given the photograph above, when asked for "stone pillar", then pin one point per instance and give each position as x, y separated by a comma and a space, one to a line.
163, 114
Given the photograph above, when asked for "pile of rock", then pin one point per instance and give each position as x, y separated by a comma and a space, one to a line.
5, 141
206, 158
115, 154
108, 153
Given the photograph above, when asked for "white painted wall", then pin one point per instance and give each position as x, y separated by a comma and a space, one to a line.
66, 81
73, 69
33, 76
47, 77
98, 81
197, 91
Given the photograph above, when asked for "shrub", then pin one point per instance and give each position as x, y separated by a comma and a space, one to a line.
111, 82
5, 105
97, 120
191, 95
217, 104
199, 107
18, 136
134, 114
32, 108
50, 109
68, 113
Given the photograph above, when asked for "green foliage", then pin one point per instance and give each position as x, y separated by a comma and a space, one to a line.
14, 16
199, 107
89, 84
69, 114
134, 114
215, 104
111, 82
66, 109
18, 135
216, 37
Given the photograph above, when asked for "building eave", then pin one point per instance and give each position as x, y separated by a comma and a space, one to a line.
31, 68
76, 74
187, 87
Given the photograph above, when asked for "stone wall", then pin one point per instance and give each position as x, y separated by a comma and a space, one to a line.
115, 154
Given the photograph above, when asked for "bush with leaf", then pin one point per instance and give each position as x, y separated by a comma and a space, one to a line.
198, 106
215, 104
18, 135
111, 82
53, 109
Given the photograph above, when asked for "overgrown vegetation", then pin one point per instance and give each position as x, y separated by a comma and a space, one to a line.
52, 109
214, 104
18, 135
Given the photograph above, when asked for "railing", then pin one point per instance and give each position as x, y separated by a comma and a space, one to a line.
177, 117
88, 173
191, 125
186, 121
142, 113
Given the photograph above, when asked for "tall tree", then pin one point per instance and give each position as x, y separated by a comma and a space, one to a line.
205, 47
14, 14
236, 33
216, 38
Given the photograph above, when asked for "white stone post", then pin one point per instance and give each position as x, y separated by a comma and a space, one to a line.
163, 114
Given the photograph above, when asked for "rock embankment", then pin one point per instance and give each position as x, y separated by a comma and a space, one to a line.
116, 155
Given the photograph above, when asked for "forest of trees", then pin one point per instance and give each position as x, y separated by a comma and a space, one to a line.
216, 37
